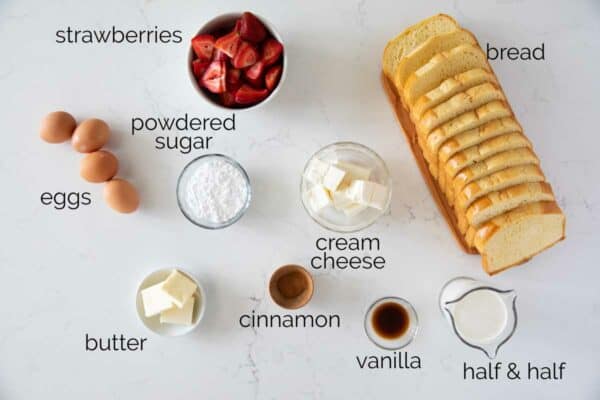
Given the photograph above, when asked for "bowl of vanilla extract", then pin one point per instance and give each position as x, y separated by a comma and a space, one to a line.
391, 323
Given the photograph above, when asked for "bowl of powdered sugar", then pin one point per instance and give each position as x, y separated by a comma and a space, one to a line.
213, 191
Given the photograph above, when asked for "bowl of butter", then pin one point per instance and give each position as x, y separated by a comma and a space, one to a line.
346, 187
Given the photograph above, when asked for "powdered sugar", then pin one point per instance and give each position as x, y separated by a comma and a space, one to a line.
213, 190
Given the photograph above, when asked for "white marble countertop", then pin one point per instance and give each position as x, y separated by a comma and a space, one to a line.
68, 273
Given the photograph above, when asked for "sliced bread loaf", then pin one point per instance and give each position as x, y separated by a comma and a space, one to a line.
414, 35
497, 181
458, 104
441, 67
450, 87
425, 51
516, 236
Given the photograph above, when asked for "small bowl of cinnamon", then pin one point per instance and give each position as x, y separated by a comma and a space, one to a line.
291, 286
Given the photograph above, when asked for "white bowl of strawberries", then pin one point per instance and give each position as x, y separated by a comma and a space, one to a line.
237, 61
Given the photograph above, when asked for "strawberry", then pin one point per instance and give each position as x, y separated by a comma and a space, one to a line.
233, 79
247, 95
271, 51
254, 74
203, 46
218, 55
272, 76
227, 99
214, 77
199, 67
229, 43
251, 29
245, 56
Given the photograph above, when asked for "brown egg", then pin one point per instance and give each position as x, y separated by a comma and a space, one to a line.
57, 127
99, 166
90, 135
121, 196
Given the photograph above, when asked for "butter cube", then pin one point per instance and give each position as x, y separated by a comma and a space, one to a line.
180, 316
155, 300
318, 198
379, 196
354, 171
179, 288
333, 178
354, 209
316, 171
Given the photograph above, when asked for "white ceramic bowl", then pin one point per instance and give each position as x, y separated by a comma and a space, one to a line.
153, 323
354, 153
227, 22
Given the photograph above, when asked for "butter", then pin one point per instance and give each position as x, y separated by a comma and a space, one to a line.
316, 171
318, 198
333, 178
178, 287
155, 300
179, 316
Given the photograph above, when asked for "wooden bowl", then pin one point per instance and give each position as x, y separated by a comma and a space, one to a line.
291, 286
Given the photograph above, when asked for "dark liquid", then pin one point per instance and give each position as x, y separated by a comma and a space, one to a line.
390, 320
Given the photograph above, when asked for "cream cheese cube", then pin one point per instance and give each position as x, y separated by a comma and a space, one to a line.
179, 288
379, 196
333, 178
341, 199
155, 300
179, 316
354, 209
318, 198
316, 171
354, 171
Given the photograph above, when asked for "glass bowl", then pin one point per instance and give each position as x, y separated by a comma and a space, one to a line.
358, 154
183, 181
392, 343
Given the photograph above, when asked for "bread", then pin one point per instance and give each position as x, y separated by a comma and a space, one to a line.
496, 203
497, 162
484, 173
497, 181
458, 104
450, 87
441, 67
480, 152
475, 136
416, 34
514, 237
426, 50
462, 123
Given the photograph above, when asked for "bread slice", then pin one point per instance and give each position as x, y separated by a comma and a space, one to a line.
450, 87
457, 105
425, 51
497, 181
441, 67
467, 121
414, 35
516, 236
495, 163
475, 136
480, 152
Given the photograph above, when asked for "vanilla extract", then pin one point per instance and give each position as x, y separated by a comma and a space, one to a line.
398, 360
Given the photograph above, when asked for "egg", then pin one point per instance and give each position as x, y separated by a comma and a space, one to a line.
99, 166
90, 135
57, 127
121, 196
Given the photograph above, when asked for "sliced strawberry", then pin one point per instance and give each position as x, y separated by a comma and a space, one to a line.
214, 77
233, 79
247, 95
272, 76
199, 67
218, 55
227, 99
229, 43
271, 51
245, 56
251, 29
203, 46
254, 74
